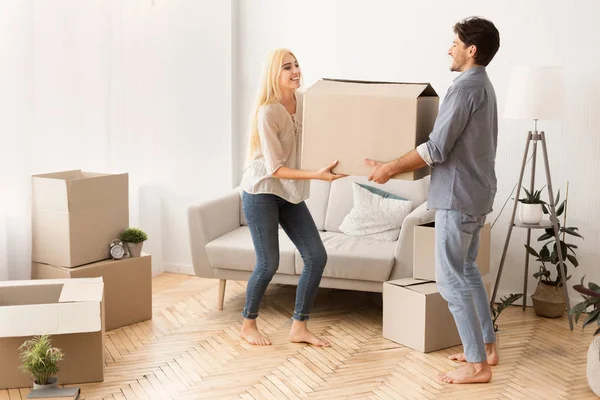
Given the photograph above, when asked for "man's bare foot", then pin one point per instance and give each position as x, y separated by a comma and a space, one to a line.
493, 358
250, 334
470, 373
300, 334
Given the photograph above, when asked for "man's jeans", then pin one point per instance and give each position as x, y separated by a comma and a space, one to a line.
459, 281
264, 213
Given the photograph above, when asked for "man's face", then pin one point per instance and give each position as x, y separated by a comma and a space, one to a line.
462, 56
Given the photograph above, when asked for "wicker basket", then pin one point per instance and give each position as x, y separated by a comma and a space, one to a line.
549, 301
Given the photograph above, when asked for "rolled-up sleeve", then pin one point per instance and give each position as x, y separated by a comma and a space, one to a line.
452, 119
269, 140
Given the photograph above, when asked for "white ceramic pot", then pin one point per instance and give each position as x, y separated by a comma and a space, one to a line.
530, 213
593, 366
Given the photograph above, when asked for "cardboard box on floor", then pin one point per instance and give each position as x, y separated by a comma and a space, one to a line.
127, 286
416, 315
349, 121
70, 310
76, 214
424, 251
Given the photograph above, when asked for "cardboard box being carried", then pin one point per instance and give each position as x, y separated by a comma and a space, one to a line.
424, 251
76, 214
127, 286
349, 121
415, 315
70, 310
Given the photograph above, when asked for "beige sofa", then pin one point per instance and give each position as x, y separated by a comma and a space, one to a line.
222, 247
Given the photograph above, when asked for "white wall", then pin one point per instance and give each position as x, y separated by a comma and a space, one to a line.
392, 40
140, 86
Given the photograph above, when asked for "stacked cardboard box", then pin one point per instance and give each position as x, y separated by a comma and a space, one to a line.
75, 216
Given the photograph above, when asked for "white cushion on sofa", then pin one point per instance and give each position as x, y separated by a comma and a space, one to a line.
341, 201
235, 250
355, 258
374, 216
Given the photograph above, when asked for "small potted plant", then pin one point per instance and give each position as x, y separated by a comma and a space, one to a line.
591, 306
40, 360
134, 239
549, 298
497, 309
530, 209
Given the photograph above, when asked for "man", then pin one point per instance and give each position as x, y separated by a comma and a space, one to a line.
462, 151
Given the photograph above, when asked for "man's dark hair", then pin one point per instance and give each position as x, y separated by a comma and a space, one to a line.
482, 34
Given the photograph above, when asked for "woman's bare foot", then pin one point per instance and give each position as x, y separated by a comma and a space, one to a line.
250, 334
493, 358
470, 373
300, 334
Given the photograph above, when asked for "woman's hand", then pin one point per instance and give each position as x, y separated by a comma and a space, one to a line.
325, 173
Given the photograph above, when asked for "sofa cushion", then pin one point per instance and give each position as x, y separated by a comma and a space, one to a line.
341, 201
235, 250
317, 202
375, 215
355, 258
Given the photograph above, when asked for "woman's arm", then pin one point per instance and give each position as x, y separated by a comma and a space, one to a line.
323, 174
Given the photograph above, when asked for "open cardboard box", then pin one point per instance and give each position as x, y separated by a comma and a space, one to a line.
127, 286
75, 215
70, 310
349, 121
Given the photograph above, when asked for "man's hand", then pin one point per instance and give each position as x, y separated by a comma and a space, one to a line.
381, 172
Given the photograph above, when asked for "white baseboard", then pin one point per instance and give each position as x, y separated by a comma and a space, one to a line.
185, 269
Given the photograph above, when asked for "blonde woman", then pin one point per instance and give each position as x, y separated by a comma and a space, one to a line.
274, 194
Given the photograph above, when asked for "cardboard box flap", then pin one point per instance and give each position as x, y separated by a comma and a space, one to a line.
408, 282
373, 88
80, 312
74, 290
78, 190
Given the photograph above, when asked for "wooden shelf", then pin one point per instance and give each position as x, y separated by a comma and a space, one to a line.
545, 224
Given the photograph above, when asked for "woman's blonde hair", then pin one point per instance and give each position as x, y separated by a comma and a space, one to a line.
268, 93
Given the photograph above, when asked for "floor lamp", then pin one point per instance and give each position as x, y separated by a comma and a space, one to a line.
534, 93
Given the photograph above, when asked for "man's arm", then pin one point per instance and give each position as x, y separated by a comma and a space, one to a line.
382, 172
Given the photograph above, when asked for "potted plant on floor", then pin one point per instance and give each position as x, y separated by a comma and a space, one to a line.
497, 309
549, 298
591, 306
134, 239
530, 209
40, 360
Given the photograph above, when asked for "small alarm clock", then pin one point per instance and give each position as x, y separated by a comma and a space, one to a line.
117, 249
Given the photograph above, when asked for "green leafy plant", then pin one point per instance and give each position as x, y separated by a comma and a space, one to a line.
504, 303
39, 359
591, 298
134, 235
548, 254
533, 198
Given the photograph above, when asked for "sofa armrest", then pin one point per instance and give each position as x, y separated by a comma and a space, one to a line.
403, 264
207, 221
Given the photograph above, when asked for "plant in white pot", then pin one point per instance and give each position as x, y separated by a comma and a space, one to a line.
531, 207
591, 306
40, 360
134, 239
549, 298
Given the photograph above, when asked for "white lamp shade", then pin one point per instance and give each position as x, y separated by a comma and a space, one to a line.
535, 93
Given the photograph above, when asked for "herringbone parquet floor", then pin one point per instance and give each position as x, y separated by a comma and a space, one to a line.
192, 351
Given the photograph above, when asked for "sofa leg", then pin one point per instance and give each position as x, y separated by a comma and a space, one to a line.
221, 298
